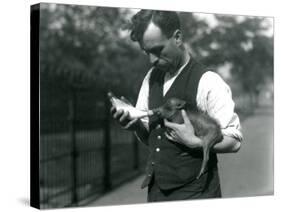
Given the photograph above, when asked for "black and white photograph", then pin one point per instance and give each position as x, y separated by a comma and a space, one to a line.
148, 106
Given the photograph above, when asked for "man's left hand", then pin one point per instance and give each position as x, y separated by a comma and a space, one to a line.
183, 133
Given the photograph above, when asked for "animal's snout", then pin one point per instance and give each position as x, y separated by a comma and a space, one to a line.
157, 112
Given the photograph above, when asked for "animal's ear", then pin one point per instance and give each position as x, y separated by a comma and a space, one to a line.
182, 105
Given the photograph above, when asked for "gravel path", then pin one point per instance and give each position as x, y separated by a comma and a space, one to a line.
246, 173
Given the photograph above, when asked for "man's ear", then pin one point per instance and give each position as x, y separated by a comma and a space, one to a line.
178, 37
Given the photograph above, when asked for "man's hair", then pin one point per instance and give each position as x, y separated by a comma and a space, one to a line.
167, 21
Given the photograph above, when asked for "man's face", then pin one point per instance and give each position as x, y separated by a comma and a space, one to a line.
163, 52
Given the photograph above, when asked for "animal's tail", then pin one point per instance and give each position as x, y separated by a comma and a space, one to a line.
206, 152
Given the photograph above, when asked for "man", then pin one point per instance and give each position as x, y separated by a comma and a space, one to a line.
175, 158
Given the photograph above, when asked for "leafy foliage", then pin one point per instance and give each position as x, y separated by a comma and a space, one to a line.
86, 45
239, 41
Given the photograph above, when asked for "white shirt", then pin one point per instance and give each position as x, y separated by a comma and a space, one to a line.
213, 96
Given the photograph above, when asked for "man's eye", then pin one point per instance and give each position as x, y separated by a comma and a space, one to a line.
157, 51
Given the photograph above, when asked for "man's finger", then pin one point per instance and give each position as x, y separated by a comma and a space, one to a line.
118, 114
125, 100
173, 134
113, 110
169, 136
170, 125
124, 117
185, 117
130, 123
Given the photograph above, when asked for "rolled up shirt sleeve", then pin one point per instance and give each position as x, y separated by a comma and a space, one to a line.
214, 97
142, 101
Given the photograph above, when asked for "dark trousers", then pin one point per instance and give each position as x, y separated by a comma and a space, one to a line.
208, 186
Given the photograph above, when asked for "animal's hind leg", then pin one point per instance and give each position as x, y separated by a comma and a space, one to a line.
213, 136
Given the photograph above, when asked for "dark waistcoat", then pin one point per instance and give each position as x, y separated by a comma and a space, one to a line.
173, 164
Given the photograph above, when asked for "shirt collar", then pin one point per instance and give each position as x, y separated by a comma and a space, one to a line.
167, 75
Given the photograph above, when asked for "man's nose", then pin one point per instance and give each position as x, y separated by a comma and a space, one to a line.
153, 59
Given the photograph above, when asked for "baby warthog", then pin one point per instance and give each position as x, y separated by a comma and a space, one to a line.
205, 127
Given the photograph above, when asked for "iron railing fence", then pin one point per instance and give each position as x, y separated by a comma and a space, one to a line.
83, 152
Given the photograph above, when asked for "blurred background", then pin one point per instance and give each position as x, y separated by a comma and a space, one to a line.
86, 51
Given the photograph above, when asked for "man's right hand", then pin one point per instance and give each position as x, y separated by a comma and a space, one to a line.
123, 119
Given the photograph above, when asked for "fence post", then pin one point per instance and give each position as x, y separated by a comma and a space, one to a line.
72, 119
107, 146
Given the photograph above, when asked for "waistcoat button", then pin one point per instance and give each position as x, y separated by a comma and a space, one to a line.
157, 149
159, 137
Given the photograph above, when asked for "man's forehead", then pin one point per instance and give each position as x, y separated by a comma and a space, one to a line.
152, 35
